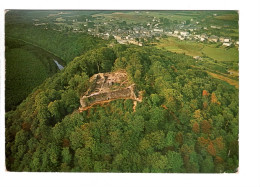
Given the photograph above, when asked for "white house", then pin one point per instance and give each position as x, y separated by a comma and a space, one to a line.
184, 33
227, 44
226, 40
169, 33
176, 32
213, 38
180, 37
197, 57
158, 30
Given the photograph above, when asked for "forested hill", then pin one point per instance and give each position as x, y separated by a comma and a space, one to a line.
30, 51
64, 45
186, 122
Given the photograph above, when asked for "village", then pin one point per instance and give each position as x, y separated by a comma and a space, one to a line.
138, 33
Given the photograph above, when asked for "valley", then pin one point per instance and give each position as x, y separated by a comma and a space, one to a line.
28, 66
134, 91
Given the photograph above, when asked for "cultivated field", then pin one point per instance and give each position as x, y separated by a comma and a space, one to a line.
221, 53
198, 49
174, 45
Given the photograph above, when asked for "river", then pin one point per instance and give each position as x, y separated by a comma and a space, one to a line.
59, 66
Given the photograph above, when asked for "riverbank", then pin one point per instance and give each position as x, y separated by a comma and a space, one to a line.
27, 66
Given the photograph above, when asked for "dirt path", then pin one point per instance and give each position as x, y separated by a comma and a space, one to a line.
220, 76
134, 105
224, 78
81, 109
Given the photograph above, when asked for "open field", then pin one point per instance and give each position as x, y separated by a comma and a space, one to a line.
221, 53
130, 17
198, 49
227, 17
146, 16
172, 16
174, 45
226, 57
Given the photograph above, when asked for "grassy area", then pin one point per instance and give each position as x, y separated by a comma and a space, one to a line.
221, 53
228, 17
174, 45
129, 17
226, 57
198, 49
174, 16
145, 16
26, 67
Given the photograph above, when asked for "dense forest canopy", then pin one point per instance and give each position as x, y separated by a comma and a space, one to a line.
27, 67
187, 121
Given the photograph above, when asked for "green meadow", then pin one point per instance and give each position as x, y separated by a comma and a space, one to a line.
174, 45
221, 53
191, 48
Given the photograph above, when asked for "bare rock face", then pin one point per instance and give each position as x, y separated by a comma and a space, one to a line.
106, 87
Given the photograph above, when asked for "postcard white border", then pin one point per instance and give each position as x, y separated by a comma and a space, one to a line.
249, 102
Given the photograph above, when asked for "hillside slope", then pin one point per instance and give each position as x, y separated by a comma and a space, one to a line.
187, 120
27, 66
